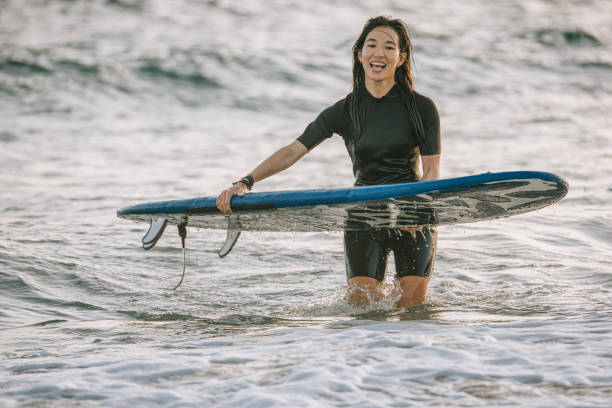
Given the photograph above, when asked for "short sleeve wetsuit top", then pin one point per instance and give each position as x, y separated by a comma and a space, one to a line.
388, 148
386, 152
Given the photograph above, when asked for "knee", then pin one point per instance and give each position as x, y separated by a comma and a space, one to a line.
414, 289
363, 290
358, 296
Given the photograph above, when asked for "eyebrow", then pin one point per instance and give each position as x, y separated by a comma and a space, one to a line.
386, 42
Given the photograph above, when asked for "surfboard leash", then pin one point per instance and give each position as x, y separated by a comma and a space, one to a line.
182, 229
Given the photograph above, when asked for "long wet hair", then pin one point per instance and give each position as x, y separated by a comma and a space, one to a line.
403, 76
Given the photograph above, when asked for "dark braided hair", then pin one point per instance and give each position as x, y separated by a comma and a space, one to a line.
403, 76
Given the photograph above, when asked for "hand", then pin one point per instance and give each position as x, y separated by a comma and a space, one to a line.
412, 229
223, 200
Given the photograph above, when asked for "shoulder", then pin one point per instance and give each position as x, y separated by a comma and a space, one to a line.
343, 104
424, 103
334, 117
427, 108
339, 109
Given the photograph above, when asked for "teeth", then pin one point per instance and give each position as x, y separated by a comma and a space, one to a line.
379, 64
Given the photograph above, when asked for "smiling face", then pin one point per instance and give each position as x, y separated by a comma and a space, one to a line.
380, 55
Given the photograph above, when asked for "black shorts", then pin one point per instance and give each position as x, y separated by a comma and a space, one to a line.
366, 252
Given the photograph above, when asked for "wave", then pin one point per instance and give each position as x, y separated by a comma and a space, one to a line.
42, 62
83, 68
47, 81
7, 137
133, 5
155, 68
158, 317
16, 66
232, 320
596, 64
555, 37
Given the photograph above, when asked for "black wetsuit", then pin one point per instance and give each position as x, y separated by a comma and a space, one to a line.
387, 151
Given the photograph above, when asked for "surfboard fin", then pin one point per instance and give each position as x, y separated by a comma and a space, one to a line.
156, 229
232, 237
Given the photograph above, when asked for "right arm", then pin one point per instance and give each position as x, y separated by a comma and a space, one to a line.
327, 123
280, 160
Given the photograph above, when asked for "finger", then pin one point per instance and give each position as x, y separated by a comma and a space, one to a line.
227, 206
227, 200
222, 202
221, 199
411, 229
219, 202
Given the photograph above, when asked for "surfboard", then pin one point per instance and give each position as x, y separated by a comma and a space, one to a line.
439, 202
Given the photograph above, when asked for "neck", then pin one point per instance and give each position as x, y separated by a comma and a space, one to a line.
378, 89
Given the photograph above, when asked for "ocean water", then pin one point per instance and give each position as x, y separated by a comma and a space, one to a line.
110, 103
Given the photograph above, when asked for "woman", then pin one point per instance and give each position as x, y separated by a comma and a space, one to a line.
387, 128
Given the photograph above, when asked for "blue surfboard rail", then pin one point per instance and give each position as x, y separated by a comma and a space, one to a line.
305, 198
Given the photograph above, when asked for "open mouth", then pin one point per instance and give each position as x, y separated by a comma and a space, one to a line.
377, 66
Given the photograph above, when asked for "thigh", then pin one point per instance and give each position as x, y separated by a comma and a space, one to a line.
415, 252
365, 255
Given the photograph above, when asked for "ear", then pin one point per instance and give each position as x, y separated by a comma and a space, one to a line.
359, 56
402, 59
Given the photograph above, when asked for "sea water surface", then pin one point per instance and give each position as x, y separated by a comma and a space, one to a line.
106, 103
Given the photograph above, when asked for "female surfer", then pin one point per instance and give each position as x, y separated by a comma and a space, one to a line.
388, 128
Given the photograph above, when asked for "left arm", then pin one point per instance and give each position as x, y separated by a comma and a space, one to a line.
430, 146
431, 167
431, 171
